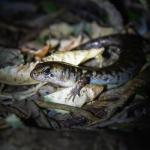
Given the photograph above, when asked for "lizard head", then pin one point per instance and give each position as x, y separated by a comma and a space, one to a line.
53, 72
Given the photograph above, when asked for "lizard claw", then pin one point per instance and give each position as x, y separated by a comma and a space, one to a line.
76, 90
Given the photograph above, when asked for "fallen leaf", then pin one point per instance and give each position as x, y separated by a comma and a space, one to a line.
87, 94
73, 43
42, 52
17, 75
74, 57
39, 54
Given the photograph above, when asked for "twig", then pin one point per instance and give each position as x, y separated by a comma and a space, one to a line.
72, 109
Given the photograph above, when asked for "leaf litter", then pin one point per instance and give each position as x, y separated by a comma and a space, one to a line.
106, 105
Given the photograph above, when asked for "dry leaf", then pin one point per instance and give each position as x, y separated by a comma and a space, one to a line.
74, 57
72, 44
88, 93
39, 54
17, 75
42, 52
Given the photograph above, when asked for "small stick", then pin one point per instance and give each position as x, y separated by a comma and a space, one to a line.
72, 109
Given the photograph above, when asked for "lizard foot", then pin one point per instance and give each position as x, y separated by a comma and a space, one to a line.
76, 90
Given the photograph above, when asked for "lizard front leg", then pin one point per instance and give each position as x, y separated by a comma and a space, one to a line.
77, 88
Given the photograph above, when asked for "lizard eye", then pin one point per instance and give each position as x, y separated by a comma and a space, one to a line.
47, 71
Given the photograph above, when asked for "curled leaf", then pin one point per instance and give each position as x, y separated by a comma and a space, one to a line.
42, 52
17, 75
39, 54
73, 43
87, 94
74, 57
